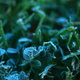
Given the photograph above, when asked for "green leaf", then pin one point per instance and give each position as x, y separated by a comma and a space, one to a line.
29, 53
50, 43
2, 51
24, 39
3, 36
71, 55
12, 77
36, 63
23, 76
46, 71
11, 63
12, 50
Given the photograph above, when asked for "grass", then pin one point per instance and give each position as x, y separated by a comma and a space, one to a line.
39, 40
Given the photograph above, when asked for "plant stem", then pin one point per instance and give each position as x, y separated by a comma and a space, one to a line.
40, 24
77, 38
3, 36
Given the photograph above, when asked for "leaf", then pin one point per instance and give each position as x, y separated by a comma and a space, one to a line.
61, 51
63, 31
24, 63
9, 35
24, 39
12, 77
41, 12
3, 35
4, 67
52, 32
1, 63
27, 26
12, 50
20, 23
61, 20
71, 55
64, 37
69, 41
46, 71
29, 18
11, 63
77, 38
50, 43
40, 35
35, 8
29, 53
40, 24
23, 76
35, 63
2, 51
55, 41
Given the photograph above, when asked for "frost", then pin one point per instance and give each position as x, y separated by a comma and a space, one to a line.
2, 51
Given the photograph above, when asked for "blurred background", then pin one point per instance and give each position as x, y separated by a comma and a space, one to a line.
29, 12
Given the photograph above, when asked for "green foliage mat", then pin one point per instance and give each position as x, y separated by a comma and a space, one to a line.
39, 39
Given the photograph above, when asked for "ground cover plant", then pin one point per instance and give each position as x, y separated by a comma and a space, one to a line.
39, 40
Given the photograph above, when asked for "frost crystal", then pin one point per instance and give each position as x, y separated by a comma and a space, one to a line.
29, 53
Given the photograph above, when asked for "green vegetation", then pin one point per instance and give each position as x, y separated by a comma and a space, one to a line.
39, 40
